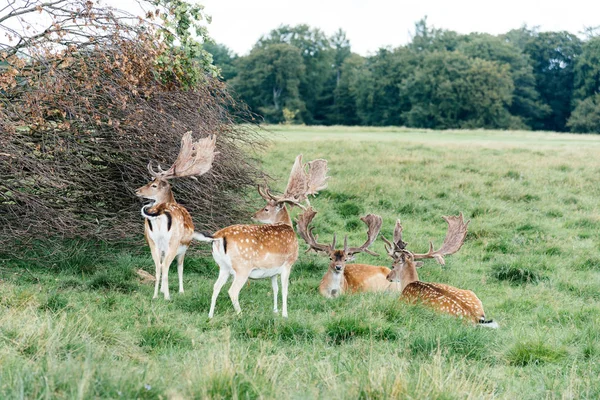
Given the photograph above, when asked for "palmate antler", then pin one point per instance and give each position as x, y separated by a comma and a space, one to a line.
305, 179
455, 237
194, 159
373, 223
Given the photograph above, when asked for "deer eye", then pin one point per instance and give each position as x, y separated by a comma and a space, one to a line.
154, 186
266, 209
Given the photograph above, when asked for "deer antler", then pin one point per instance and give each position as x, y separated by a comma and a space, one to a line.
301, 183
302, 223
398, 243
317, 176
455, 237
373, 223
194, 159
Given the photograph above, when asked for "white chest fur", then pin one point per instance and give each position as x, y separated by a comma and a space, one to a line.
334, 288
160, 233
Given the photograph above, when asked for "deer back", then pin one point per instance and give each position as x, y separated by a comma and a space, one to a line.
263, 246
444, 298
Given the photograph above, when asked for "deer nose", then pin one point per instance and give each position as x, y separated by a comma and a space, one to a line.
388, 277
338, 267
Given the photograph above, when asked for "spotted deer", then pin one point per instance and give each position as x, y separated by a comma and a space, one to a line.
459, 302
265, 251
168, 226
341, 277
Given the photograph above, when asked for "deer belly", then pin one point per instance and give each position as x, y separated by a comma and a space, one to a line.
261, 273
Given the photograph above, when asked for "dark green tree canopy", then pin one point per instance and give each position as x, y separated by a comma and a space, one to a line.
523, 79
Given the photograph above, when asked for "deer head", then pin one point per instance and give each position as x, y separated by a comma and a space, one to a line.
338, 258
404, 261
305, 179
194, 159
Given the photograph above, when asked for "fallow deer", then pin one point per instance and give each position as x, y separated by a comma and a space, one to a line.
265, 251
168, 225
459, 302
341, 278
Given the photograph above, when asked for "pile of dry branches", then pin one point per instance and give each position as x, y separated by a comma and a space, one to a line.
85, 106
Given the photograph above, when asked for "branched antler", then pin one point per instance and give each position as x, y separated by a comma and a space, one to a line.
455, 237
373, 223
398, 244
194, 159
302, 224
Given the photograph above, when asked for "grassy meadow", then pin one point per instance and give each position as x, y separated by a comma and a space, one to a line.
76, 323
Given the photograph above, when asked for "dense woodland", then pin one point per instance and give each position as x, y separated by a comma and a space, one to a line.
523, 79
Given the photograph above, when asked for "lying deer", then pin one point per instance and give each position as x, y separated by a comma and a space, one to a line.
265, 251
444, 298
168, 225
341, 278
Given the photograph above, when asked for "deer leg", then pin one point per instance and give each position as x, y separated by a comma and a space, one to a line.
156, 258
221, 280
180, 258
285, 278
169, 257
275, 292
239, 279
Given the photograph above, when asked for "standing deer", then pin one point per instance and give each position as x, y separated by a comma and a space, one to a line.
340, 277
265, 251
444, 298
168, 225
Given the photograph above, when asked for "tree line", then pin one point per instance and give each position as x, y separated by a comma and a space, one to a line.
523, 79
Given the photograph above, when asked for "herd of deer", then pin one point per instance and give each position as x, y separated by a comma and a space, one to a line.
271, 249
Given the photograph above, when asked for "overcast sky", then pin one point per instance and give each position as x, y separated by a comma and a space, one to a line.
377, 23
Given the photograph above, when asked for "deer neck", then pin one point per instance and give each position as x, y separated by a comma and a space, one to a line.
283, 217
408, 274
334, 283
165, 197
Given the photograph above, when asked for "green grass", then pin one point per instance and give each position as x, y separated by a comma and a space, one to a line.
75, 322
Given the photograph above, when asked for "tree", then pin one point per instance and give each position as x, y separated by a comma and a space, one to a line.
426, 38
317, 57
344, 110
526, 102
379, 101
269, 80
585, 118
222, 57
553, 56
587, 70
451, 90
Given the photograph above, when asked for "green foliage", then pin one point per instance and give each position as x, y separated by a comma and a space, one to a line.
528, 79
451, 90
586, 116
269, 80
553, 56
587, 71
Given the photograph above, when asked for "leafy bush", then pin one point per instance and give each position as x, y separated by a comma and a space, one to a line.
114, 93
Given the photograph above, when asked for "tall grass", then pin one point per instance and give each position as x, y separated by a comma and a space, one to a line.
75, 322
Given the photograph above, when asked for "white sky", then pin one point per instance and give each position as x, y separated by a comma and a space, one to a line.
372, 24
377, 23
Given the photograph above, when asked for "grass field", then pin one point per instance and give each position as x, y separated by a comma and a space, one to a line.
77, 324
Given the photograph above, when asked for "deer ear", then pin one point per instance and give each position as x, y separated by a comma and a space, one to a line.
419, 264
350, 257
